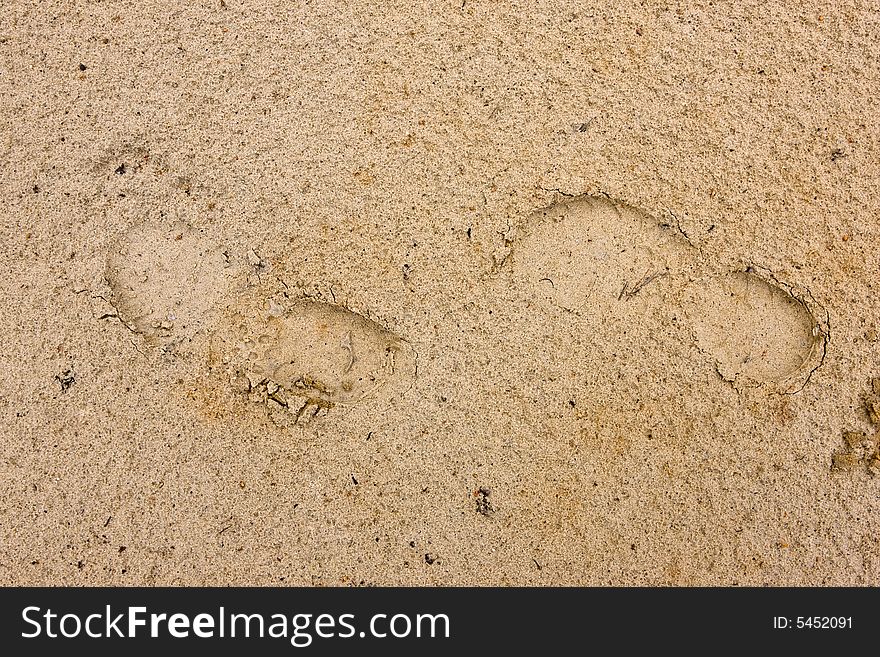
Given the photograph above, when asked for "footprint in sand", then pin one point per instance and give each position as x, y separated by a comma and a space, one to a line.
598, 259
302, 357
167, 280
295, 355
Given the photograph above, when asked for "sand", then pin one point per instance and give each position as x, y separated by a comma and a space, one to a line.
467, 293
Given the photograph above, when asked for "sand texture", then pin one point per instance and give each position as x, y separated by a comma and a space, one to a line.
465, 293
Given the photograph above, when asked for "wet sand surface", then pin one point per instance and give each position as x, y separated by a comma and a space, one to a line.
467, 293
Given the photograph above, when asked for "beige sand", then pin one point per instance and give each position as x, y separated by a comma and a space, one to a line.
439, 293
